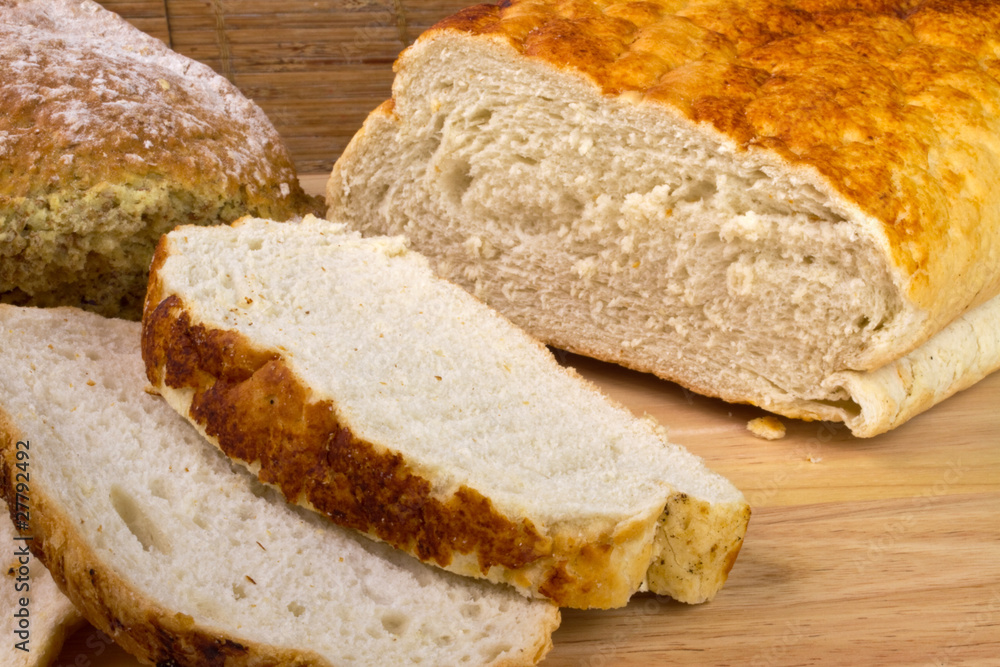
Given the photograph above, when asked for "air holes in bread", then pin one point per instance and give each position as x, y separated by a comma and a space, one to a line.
239, 592
395, 622
138, 522
480, 117
456, 179
695, 191
158, 487
495, 651
471, 610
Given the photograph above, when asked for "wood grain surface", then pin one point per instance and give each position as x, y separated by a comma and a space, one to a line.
884, 551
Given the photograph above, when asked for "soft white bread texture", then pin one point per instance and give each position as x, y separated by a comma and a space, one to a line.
779, 203
185, 559
27, 590
349, 376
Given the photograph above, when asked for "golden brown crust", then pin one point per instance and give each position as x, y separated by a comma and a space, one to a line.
250, 404
894, 103
104, 103
153, 634
107, 140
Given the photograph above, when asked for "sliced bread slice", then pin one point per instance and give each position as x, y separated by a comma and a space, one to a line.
37, 617
185, 559
349, 376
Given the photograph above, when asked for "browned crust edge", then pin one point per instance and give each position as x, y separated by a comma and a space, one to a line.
138, 624
249, 403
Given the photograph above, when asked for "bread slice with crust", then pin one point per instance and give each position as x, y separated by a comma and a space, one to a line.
780, 202
27, 589
185, 559
349, 376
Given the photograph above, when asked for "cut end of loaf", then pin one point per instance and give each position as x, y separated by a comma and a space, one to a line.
692, 566
617, 229
421, 418
654, 204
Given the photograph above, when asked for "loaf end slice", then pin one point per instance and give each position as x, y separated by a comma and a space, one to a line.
184, 559
347, 375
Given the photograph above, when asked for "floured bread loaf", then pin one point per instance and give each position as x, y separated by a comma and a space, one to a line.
347, 375
49, 614
184, 559
108, 139
793, 204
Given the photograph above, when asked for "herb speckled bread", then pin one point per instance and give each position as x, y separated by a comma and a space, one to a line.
108, 139
791, 203
185, 559
346, 374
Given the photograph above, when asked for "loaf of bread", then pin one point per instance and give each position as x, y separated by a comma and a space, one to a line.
791, 203
37, 618
108, 139
184, 559
347, 375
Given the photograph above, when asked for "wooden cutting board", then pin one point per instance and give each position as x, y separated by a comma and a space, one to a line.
883, 551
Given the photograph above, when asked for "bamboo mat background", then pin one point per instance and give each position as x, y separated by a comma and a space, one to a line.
316, 67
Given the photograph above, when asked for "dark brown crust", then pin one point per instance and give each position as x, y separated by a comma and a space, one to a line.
257, 411
253, 408
250, 403
140, 626
892, 102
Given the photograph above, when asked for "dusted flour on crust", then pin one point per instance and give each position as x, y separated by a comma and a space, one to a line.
109, 139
